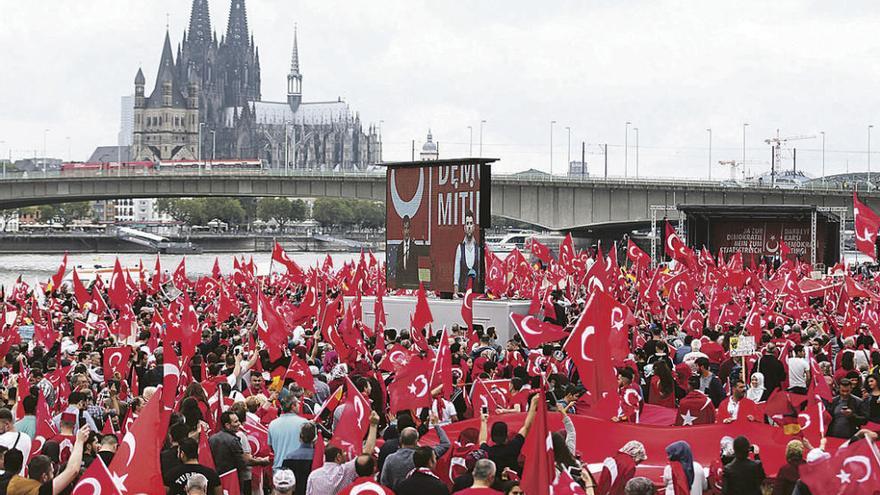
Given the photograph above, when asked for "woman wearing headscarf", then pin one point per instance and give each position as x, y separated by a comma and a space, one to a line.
756, 392
716, 470
620, 468
683, 476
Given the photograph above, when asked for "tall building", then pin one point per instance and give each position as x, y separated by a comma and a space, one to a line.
166, 123
217, 82
430, 150
126, 121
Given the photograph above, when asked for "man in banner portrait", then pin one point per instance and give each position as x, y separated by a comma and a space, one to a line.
406, 264
468, 258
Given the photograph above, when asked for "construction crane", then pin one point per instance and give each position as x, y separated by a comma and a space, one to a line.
777, 143
735, 164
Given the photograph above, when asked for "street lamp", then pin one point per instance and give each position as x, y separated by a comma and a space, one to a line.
626, 149
45, 131
551, 147
869, 153
471, 145
636, 130
568, 164
772, 179
481, 137
201, 124
823, 156
709, 130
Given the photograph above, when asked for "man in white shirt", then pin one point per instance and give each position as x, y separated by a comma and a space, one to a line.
12, 439
798, 371
468, 258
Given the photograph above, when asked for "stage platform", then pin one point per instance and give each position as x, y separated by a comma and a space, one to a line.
446, 312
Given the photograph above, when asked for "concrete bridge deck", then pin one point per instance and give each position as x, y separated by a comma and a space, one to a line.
557, 203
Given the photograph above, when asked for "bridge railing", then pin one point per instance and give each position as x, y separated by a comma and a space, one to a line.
629, 182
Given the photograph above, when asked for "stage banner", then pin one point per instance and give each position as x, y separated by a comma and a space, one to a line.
761, 238
435, 216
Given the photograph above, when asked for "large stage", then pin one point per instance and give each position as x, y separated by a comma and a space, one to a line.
398, 310
813, 233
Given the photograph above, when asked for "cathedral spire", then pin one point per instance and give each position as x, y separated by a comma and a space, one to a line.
294, 58
199, 23
166, 65
237, 28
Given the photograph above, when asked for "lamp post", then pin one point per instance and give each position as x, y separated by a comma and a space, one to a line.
773, 179
46, 131
551, 147
626, 149
213, 145
201, 124
823, 156
869, 152
709, 130
481, 137
568, 163
471, 145
636, 130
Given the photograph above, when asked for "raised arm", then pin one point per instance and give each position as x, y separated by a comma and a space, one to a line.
370, 444
59, 484
530, 418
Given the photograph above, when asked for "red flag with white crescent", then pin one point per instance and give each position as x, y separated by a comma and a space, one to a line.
411, 387
95, 480
535, 332
116, 360
866, 224
135, 466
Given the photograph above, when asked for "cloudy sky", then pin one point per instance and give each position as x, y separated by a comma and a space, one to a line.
671, 68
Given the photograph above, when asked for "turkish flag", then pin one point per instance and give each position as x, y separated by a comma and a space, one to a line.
228, 305
299, 372
538, 453
353, 422
535, 332
693, 324
441, 371
258, 435
45, 428
422, 317
179, 276
170, 377
270, 328
118, 288
95, 480
396, 358
563, 484
229, 482
293, 269
157, 276
566, 252
589, 349
866, 225
639, 258
116, 360
675, 247
59, 275
135, 467
491, 394
467, 306
206, 457
79, 290
851, 470
411, 388
539, 250
189, 328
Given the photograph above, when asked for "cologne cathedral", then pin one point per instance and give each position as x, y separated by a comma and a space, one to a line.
206, 101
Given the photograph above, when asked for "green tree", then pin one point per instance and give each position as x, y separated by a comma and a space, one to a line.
282, 210
370, 215
228, 210
333, 212
64, 213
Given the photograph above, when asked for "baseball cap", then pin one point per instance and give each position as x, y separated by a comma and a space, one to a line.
284, 480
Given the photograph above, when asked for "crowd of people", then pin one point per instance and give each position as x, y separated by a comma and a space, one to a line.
254, 384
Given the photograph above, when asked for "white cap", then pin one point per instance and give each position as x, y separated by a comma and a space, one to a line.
284, 480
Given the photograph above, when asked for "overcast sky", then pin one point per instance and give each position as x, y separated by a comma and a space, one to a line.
672, 68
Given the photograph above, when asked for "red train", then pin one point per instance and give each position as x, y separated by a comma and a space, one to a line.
165, 165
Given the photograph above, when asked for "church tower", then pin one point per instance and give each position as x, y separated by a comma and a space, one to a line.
239, 60
294, 78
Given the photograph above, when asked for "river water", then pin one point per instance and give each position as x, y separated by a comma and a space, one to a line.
42, 266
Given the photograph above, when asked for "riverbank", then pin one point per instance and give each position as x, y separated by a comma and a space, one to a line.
209, 243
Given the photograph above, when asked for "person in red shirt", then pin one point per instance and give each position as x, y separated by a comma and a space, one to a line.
737, 407
630, 397
620, 468
66, 436
484, 476
696, 407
